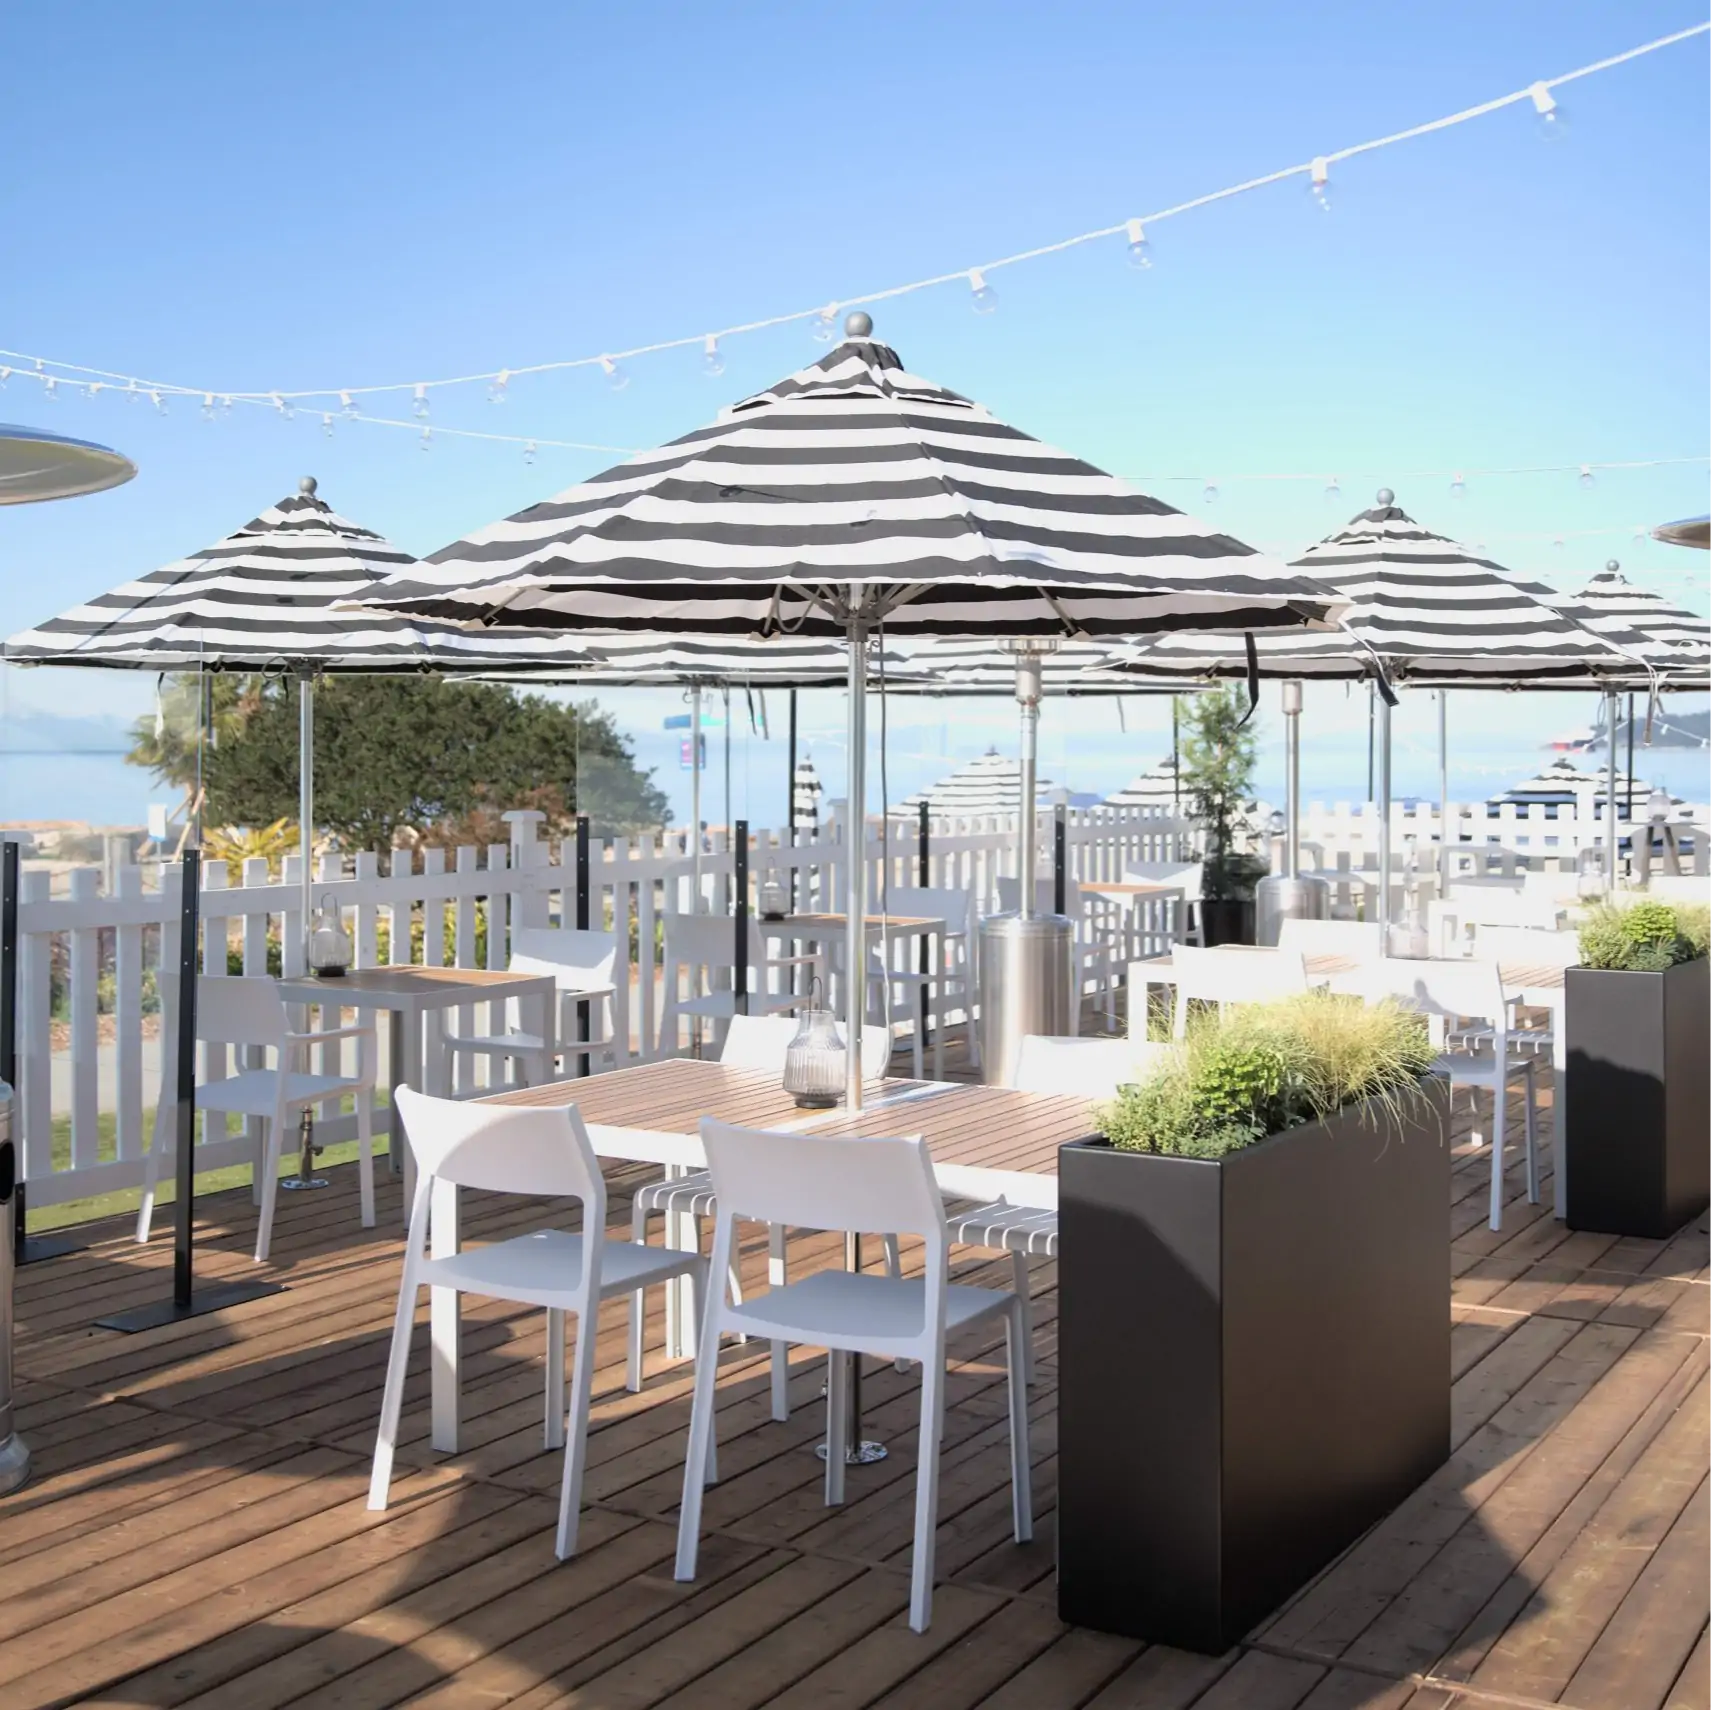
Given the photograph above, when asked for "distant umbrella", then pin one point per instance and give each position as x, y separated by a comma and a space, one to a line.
805, 793
988, 784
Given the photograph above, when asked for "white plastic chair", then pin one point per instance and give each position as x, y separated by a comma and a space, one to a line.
247, 1010
581, 964
1452, 919
512, 1149
752, 1042
1225, 977
1190, 875
698, 942
1454, 993
955, 909
849, 1185
1356, 938
1522, 946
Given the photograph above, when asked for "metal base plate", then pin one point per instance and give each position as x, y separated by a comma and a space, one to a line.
214, 1299
862, 1455
14, 1464
39, 1247
297, 1184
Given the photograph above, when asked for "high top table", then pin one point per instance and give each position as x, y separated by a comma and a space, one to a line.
985, 1142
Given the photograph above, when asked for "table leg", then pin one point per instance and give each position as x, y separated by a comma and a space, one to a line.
444, 1328
941, 1004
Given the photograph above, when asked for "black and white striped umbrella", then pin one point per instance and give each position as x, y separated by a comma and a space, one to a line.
272, 596
991, 783
805, 793
1671, 640
1422, 609
852, 492
1156, 788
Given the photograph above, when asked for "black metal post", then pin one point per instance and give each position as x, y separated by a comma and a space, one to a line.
186, 1302
1060, 857
582, 903
924, 878
740, 973
790, 802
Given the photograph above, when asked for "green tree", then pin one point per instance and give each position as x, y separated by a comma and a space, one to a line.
166, 741
1217, 777
422, 756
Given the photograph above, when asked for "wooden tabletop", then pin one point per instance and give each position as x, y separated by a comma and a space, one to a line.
809, 923
1321, 966
419, 984
1132, 887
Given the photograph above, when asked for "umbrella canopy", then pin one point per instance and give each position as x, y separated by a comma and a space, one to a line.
1156, 788
852, 492
268, 597
1563, 784
951, 667
1667, 637
990, 783
37, 465
1421, 607
805, 792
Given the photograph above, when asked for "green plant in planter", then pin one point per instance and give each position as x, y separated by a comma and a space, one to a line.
1217, 777
1265, 1068
1645, 936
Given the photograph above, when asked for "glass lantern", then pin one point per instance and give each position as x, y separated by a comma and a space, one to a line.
814, 1062
330, 950
773, 901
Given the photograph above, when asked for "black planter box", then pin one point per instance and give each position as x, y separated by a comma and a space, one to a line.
1254, 1365
1636, 1110
1227, 922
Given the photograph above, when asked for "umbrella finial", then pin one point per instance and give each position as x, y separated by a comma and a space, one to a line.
1385, 496
1612, 566
858, 324
307, 486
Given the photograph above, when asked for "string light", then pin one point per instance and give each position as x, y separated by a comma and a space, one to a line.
51, 386
5, 375
712, 363
529, 453
616, 378
93, 390
427, 438
1547, 115
419, 404
824, 328
1333, 489
1321, 181
496, 392
983, 298
1209, 493
1458, 485
347, 406
282, 406
1587, 479
158, 401
1140, 248
208, 406
327, 426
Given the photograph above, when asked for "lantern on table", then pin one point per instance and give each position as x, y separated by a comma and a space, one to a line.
774, 902
814, 1061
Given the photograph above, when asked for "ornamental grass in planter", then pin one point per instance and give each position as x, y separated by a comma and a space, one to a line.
1636, 1105
1253, 1316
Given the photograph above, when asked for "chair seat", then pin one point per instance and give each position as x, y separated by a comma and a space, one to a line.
1479, 1067
857, 1312
544, 1268
255, 1092
1005, 1228
722, 1006
516, 1041
689, 1196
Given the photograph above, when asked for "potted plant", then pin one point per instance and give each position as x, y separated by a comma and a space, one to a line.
1254, 1316
1636, 1109
1217, 778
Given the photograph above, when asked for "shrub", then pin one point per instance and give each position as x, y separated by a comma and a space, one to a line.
1645, 936
1269, 1067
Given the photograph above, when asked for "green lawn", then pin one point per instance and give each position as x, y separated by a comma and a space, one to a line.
128, 1199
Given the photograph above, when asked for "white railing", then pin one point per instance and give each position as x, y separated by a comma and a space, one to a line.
90, 959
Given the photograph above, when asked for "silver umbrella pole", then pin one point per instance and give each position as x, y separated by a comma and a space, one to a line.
855, 867
1610, 816
1444, 861
306, 800
1383, 744
1028, 690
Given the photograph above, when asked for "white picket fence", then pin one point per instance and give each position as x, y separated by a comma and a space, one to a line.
85, 1111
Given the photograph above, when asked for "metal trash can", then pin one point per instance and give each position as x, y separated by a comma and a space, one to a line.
1027, 985
14, 1456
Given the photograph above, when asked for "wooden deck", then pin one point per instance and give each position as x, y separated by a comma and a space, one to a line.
196, 1534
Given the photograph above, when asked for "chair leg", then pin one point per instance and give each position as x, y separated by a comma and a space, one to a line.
576, 1433
695, 1462
392, 1397
554, 1432
777, 1235
927, 1491
1022, 1286
638, 1304
365, 1153
837, 1404
164, 1114
1499, 1115
1018, 1335
269, 1167
1530, 1088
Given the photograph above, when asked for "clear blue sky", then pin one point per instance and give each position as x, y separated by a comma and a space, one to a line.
319, 194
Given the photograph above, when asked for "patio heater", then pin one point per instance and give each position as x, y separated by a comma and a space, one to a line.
1027, 959
1290, 895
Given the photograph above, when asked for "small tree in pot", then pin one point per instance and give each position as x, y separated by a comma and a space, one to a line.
1217, 779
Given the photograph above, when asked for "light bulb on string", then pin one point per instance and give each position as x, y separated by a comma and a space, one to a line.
207, 406
1333, 489
93, 390
1549, 120
50, 387
496, 391
712, 362
327, 425
347, 406
5, 375
984, 299
1458, 485
136, 397
529, 453
1587, 479
419, 404
159, 403
616, 378
1320, 181
1140, 249
282, 405
1209, 493
426, 440
226, 405
824, 327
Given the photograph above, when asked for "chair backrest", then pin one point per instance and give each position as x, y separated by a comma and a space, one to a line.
1492, 907
1232, 976
813, 1181
1092, 1069
705, 941
1528, 945
931, 902
505, 1148
760, 1041
1460, 882
1188, 874
1454, 990
239, 1009
1357, 938
578, 960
